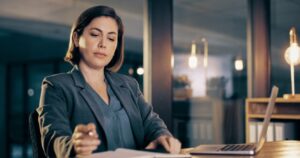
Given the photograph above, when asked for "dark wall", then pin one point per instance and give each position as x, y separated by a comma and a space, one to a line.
19, 47
2, 109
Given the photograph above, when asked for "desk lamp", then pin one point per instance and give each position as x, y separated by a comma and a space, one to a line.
292, 57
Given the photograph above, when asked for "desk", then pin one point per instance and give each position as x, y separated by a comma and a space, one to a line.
279, 149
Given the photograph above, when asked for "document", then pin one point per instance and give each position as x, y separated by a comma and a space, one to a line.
129, 153
253, 132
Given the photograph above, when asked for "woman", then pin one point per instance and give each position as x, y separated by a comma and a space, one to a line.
92, 108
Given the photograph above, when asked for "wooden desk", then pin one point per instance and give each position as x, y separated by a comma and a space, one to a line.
279, 149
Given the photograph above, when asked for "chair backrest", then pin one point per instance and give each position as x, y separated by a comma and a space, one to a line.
35, 136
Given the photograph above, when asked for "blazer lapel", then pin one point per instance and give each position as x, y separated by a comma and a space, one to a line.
91, 102
123, 94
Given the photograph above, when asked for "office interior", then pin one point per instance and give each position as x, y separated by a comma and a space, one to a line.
195, 60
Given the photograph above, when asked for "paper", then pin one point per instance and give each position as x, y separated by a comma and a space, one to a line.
253, 132
129, 153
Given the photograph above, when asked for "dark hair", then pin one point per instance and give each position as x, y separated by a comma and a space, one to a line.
73, 54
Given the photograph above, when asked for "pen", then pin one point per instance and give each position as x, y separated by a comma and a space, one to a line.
172, 156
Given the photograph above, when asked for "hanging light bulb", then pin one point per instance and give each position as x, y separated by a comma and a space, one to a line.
172, 61
193, 60
292, 57
140, 71
238, 65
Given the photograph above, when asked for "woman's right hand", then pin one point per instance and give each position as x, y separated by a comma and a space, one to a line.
85, 139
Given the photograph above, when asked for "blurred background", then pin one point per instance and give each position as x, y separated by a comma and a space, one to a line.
209, 62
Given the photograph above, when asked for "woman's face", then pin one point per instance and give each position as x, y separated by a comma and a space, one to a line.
98, 42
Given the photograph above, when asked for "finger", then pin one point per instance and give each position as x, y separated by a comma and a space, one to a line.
91, 126
78, 127
151, 145
89, 129
178, 146
82, 142
92, 134
81, 149
172, 143
81, 135
92, 130
81, 128
172, 146
175, 146
78, 135
85, 150
165, 143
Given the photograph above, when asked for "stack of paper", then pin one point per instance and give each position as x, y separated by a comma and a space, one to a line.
128, 153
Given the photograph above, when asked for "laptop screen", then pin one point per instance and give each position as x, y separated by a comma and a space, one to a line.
267, 118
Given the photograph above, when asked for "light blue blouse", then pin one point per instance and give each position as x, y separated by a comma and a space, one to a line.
116, 122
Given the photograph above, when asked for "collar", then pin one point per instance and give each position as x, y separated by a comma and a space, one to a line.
111, 77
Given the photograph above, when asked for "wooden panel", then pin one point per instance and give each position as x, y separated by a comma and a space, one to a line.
158, 60
258, 50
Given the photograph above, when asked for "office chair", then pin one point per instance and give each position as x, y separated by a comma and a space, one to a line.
35, 136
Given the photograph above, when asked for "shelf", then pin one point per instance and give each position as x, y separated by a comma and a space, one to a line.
275, 116
278, 100
285, 111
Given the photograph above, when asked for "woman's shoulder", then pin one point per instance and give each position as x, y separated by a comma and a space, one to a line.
60, 78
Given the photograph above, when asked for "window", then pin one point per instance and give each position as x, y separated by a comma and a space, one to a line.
205, 92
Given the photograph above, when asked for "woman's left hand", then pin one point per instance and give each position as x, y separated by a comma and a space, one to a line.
171, 144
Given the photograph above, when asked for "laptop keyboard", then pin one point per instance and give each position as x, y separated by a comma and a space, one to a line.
237, 147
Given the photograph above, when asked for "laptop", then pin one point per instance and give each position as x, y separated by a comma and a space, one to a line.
241, 149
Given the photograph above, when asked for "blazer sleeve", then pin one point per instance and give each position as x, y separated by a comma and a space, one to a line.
153, 125
54, 123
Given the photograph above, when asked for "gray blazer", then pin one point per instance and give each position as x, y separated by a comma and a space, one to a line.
65, 102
